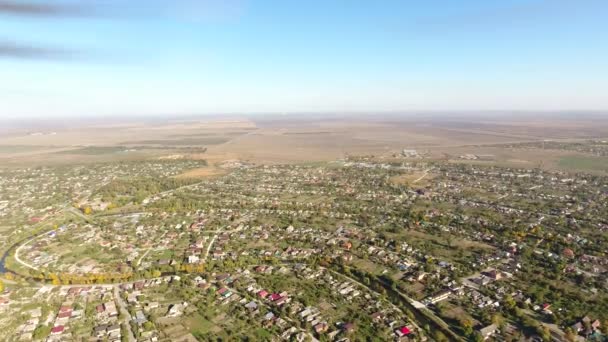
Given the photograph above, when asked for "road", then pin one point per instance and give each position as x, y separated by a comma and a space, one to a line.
23, 263
371, 290
125, 314
217, 232
421, 308
426, 172
149, 249
209, 247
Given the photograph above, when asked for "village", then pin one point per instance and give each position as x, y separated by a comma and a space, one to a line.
355, 249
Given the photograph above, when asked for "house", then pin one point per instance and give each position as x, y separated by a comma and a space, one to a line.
113, 330
57, 330
65, 314
275, 296
110, 309
494, 274
151, 305
260, 269
442, 295
140, 318
36, 313
403, 331
193, 259
488, 331
222, 277
262, 294
321, 327
332, 335
100, 331
578, 327
252, 306
77, 313
348, 327
176, 309
65, 308
281, 301
377, 317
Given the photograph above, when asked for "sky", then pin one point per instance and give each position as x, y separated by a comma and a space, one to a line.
153, 57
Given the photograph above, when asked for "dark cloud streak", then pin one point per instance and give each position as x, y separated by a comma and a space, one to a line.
37, 9
25, 52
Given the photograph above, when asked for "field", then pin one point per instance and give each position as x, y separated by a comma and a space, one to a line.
583, 163
275, 139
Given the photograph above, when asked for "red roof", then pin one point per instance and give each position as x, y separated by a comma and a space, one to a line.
58, 329
405, 330
65, 309
274, 296
263, 293
64, 314
100, 308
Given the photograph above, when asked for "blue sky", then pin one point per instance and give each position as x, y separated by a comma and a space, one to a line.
211, 56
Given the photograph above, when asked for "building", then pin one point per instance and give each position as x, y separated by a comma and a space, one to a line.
489, 331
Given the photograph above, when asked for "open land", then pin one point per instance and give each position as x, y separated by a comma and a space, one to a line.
332, 228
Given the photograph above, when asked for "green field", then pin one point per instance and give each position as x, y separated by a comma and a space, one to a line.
21, 148
212, 140
584, 163
95, 150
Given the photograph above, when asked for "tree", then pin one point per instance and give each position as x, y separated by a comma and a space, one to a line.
41, 332
1, 286
509, 302
498, 320
467, 326
439, 336
570, 336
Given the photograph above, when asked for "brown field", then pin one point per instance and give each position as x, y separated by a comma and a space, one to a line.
297, 139
419, 178
204, 172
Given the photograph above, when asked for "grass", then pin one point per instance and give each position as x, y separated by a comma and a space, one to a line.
183, 142
200, 324
21, 148
368, 266
94, 150
584, 163
204, 172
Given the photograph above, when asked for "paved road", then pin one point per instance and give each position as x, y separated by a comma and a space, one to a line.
23, 263
66, 208
125, 314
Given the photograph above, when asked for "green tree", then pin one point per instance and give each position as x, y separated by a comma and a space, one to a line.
439, 336
41, 332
